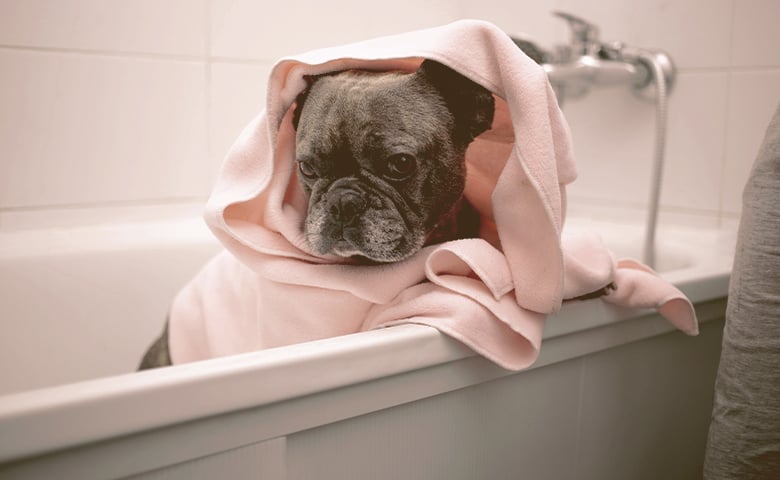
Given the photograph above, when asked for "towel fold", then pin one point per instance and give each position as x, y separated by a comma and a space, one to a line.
492, 293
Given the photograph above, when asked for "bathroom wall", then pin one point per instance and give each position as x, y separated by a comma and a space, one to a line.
121, 110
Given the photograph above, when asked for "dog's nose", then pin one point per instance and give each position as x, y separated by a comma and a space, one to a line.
347, 206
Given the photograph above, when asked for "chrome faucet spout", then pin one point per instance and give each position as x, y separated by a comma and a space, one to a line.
576, 77
649, 60
586, 62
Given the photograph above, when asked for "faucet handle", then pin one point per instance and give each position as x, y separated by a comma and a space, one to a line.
584, 35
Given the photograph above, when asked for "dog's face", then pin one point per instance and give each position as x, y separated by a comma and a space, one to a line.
380, 156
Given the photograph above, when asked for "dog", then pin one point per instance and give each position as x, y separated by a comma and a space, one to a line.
380, 157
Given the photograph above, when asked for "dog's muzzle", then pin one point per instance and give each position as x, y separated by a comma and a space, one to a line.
345, 205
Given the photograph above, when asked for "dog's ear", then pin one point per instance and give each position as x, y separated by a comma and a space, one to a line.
301, 99
471, 104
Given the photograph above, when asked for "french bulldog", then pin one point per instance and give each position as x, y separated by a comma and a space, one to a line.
380, 157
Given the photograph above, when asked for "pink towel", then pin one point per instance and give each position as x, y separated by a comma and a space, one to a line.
492, 293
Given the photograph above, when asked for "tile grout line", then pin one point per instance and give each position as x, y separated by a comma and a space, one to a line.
104, 53
207, 35
138, 55
147, 202
265, 61
728, 69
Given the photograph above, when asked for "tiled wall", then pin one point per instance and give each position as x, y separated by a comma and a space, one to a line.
116, 108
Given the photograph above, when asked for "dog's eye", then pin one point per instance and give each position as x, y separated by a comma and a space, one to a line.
400, 166
307, 170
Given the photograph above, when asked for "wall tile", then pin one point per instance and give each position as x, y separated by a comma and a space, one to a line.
615, 140
753, 98
695, 130
695, 32
756, 36
89, 128
148, 26
613, 136
250, 29
533, 19
237, 94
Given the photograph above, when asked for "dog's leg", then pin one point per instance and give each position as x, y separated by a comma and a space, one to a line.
158, 354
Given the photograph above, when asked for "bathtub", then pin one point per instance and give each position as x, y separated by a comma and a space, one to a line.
614, 394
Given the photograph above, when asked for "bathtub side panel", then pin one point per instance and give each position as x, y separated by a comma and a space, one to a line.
626, 410
264, 460
646, 407
519, 426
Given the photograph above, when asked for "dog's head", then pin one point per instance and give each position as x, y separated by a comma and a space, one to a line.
380, 156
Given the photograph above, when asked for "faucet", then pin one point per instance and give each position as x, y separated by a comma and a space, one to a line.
587, 61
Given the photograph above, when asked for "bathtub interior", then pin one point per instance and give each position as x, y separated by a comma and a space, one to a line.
84, 303
675, 243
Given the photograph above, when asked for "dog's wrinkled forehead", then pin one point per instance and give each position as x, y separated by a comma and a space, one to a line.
368, 108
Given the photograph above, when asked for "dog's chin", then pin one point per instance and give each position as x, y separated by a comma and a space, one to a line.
391, 251
345, 249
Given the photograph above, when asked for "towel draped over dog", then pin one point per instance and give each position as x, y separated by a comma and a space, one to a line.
492, 293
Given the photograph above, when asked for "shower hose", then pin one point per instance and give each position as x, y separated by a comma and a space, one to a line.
658, 77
